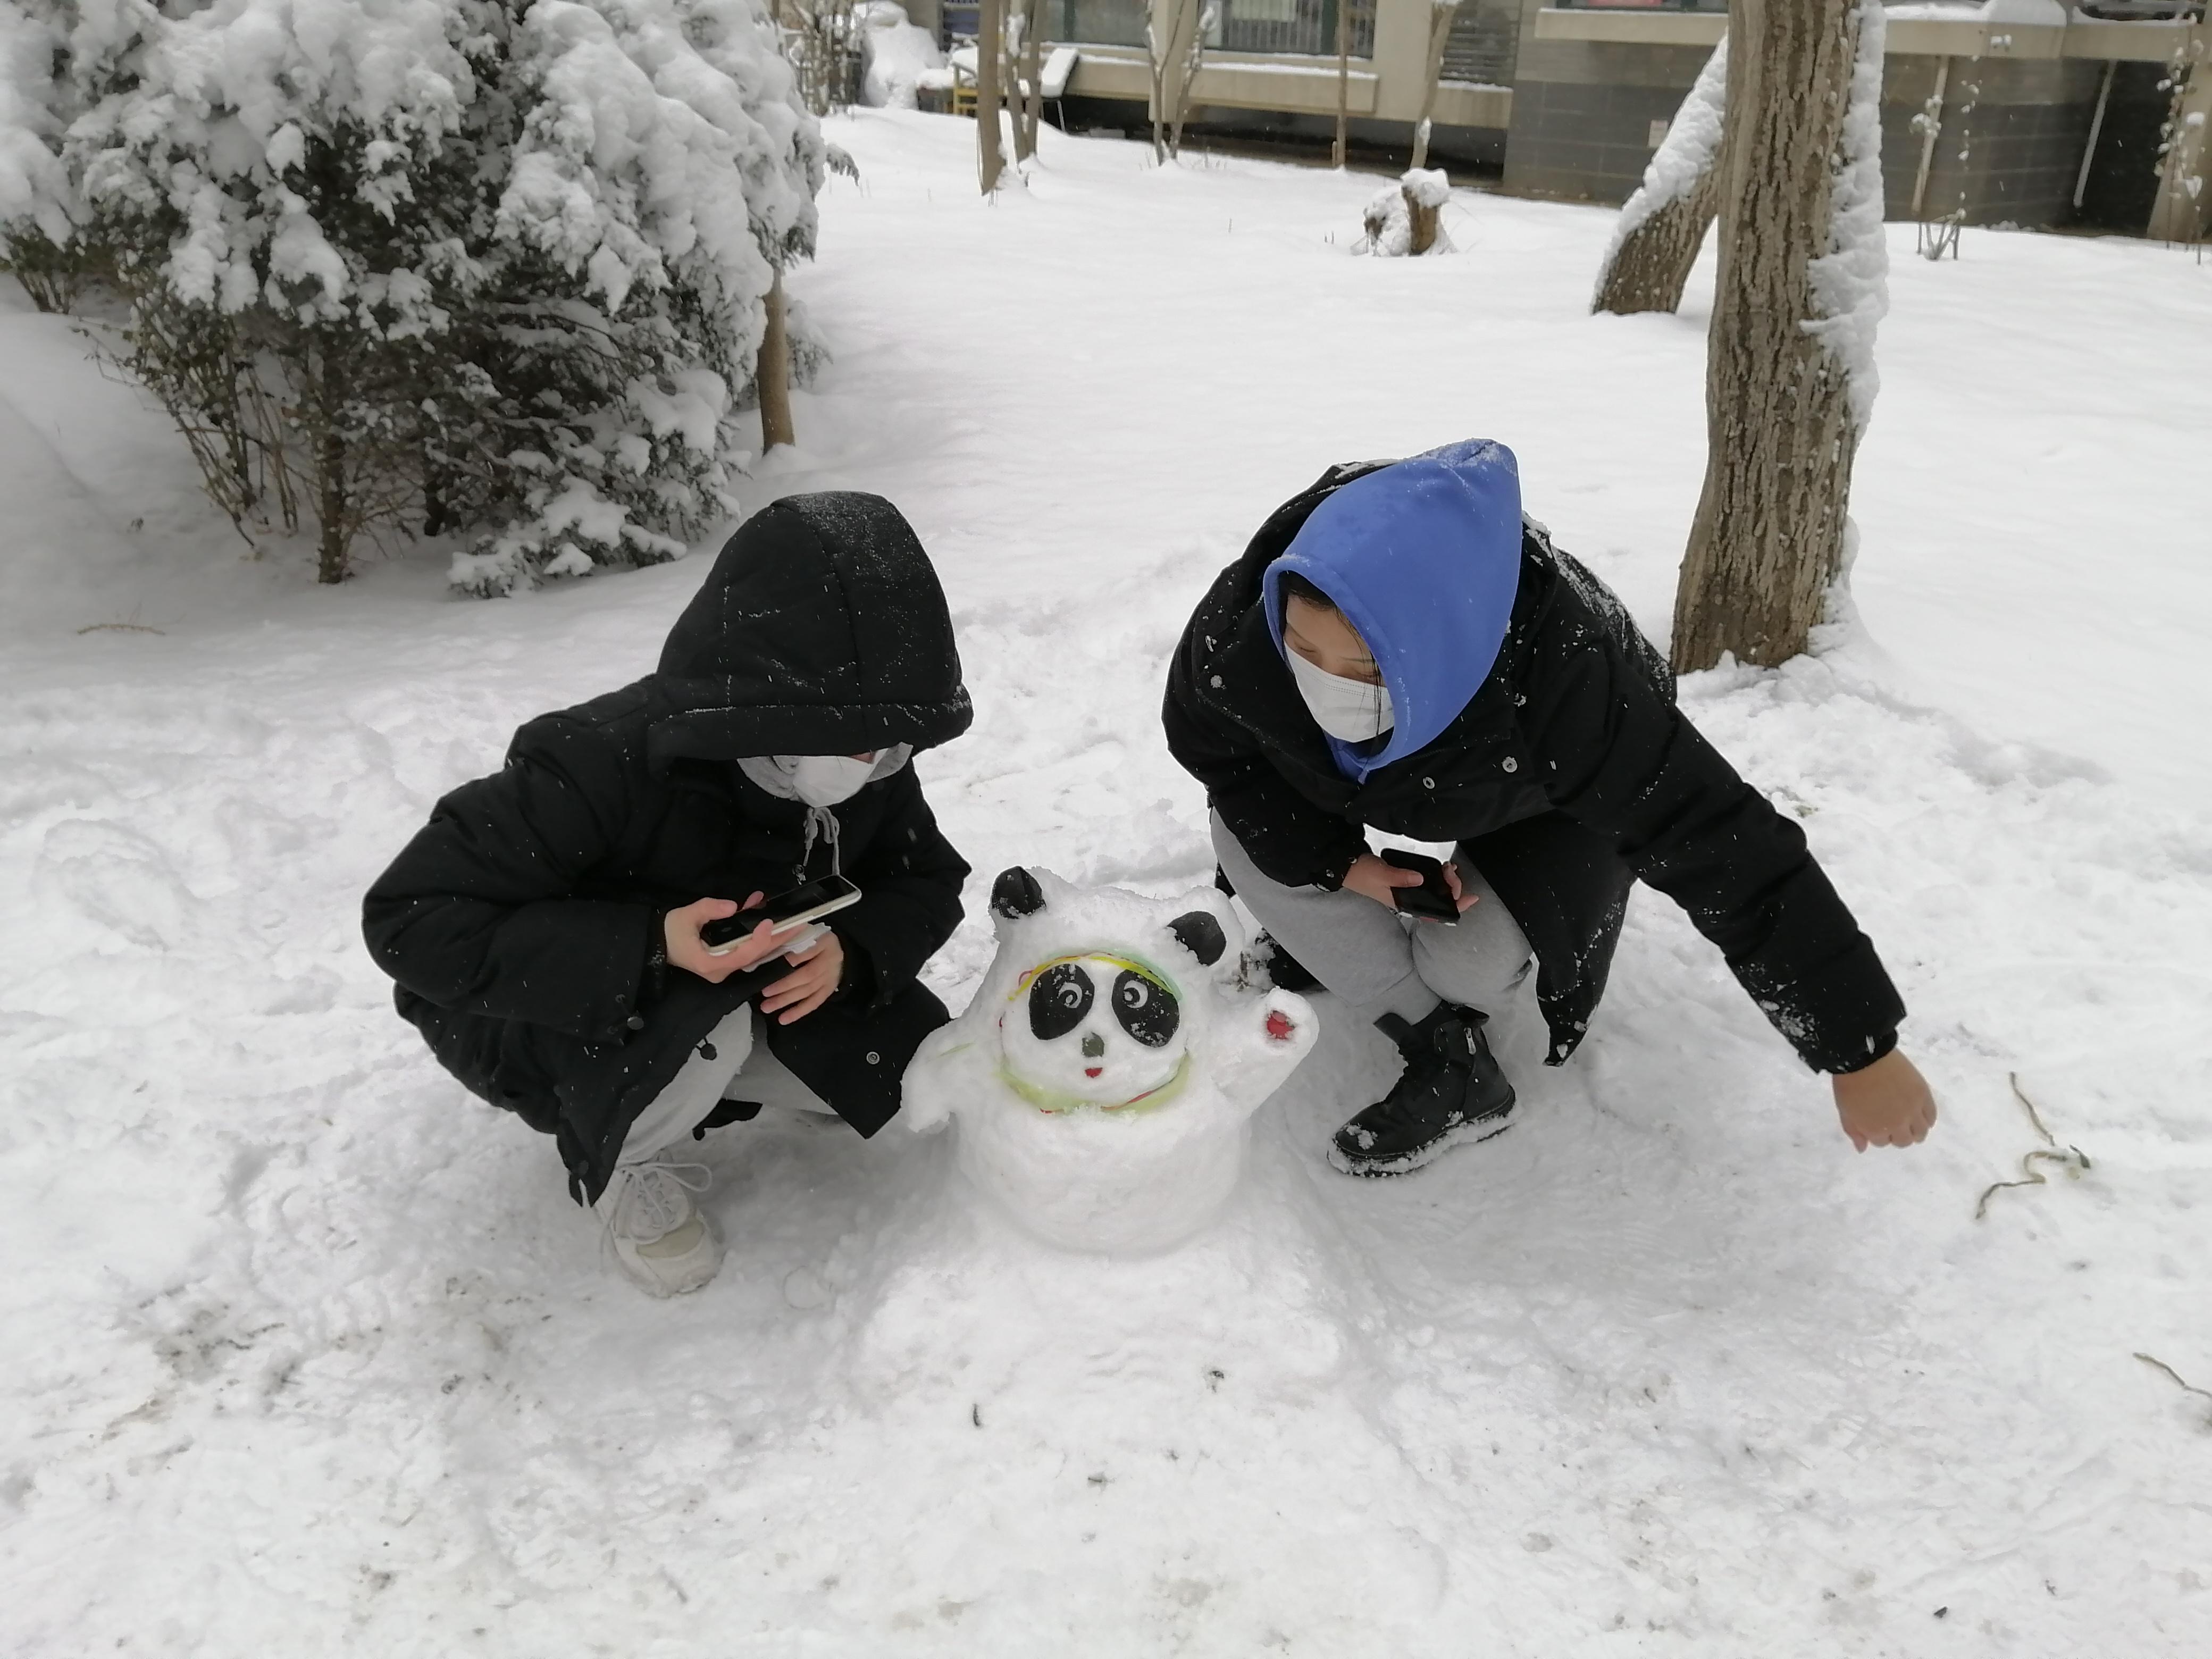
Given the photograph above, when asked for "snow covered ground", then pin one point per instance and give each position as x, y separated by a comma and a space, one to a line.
306, 1353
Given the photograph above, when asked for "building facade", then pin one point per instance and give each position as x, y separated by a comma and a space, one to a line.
2021, 111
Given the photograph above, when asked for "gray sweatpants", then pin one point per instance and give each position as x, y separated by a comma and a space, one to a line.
742, 1068
1377, 961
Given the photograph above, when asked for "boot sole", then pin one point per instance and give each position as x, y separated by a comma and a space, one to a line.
1466, 1134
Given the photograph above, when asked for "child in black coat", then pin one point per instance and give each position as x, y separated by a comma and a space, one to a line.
544, 927
1399, 646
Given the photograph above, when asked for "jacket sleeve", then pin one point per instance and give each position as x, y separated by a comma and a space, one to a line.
1616, 754
475, 915
1292, 840
910, 880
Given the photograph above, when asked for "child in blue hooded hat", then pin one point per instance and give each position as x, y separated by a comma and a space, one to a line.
1400, 648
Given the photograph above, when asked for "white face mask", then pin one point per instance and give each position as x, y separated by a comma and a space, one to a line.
825, 780
1351, 711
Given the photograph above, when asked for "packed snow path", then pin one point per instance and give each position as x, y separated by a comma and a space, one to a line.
308, 1353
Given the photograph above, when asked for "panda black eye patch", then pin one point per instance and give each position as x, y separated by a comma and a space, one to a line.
1148, 1010
1058, 998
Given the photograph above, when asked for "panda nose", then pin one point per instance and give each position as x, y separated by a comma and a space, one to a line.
1093, 1045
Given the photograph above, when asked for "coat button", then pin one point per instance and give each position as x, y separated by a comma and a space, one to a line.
1510, 764
636, 1022
1215, 681
874, 1059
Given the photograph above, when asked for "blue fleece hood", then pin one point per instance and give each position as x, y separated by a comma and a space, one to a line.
1424, 558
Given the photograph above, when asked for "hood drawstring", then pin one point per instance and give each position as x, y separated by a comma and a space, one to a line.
821, 825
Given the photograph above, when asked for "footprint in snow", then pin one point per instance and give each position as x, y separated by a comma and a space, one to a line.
118, 878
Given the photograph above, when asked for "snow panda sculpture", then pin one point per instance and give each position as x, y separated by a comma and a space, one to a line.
1104, 1074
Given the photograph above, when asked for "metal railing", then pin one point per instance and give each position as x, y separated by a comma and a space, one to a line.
1640, 5
1273, 27
2142, 11
1101, 23
1295, 28
1484, 43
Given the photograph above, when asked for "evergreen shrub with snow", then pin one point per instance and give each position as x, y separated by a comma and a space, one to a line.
488, 267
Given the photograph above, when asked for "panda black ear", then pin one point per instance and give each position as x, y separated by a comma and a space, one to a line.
1199, 932
1016, 894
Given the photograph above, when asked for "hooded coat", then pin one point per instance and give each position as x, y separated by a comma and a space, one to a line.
1566, 774
522, 922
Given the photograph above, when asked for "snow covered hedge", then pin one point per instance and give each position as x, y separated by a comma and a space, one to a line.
492, 266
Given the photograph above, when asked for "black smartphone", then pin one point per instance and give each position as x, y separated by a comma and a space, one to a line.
1433, 900
789, 911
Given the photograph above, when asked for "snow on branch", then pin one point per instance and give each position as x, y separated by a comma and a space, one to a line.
1685, 156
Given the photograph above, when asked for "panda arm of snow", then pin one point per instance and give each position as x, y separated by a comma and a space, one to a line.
944, 1070
1246, 1060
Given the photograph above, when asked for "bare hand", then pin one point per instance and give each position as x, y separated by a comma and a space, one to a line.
687, 950
1465, 901
1886, 1104
1372, 877
820, 966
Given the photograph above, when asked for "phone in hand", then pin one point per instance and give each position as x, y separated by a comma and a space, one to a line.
1433, 900
789, 911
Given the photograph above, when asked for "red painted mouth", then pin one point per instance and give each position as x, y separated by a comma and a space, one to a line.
1092, 1071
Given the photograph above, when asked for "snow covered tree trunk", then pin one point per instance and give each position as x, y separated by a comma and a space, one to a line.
1789, 370
1441, 14
1657, 238
2183, 208
990, 159
773, 372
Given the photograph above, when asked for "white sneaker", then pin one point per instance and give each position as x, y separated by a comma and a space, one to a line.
659, 1236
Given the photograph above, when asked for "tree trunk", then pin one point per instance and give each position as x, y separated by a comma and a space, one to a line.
1781, 424
990, 159
1421, 222
1440, 29
1174, 61
772, 369
1652, 264
1193, 54
333, 515
2183, 207
1343, 81
1162, 55
1031, 115
1663, 225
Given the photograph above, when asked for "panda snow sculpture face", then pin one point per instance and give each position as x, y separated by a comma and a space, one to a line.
1104, 1074
1094, 1030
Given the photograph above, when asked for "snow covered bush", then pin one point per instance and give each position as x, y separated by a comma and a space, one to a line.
664, 156
445, 265
33, 190
41, 43
895, 55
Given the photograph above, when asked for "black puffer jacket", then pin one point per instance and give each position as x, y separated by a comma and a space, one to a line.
1570, 775
519, 923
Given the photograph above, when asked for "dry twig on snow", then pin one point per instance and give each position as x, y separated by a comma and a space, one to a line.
2156, 1363
2072, 1160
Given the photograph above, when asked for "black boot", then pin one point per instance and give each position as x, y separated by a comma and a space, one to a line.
1284, 971
1451, 1090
